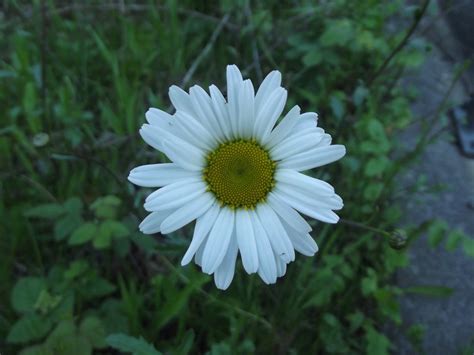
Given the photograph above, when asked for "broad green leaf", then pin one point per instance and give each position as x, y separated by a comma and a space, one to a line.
436, 232
46, 301
128, 344
468, 246
28, 328
114, 228
36, 350
338, 32
376, 166
377, 343
453, 240
83, 234
66, 225
48, 210
313, 57
106, 207
103, 238
26, 292
430, 290
99, 287
93, 329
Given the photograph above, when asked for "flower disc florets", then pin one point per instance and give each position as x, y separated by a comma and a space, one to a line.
240, 173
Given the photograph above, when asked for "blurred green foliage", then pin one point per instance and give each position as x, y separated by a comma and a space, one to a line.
77, 277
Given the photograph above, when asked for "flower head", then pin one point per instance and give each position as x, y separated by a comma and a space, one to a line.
238, 174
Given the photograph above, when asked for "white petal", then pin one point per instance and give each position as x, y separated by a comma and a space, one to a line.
175, 195
246, 241
307, 120
218, 241
276, 232
281, 266
203, 225
225, 272
180, 99
234, 83
187, 213
151, 224
220, 110
283, 128
269, 113
246, 109
322, 214
200, 252
155, 135
288, 214
157, 175
309, 197
203, 108
157, 117
314, 158
313, 185
193, 132
302, 242
184, 154
266, 258
271, 82
297, 143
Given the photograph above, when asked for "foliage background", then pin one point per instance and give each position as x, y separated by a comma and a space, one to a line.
76, 277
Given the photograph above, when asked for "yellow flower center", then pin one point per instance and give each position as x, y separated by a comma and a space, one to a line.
240, 173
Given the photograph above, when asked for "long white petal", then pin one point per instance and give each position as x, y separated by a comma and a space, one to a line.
297, 144
220, 110
302, 242
157, 117
282, 130
203, 226
246, 241
187, 213
175, 195
307, 196
269, 113
281, 266
194, 132
234, 84
180, 99
288, 214
266, 258
276, 233
314, 158
151, 224
184, 154
200, 251
297, 179
157, 175
155, 135
246, 112
202, 105
322, 214
218, 241
224, 274
271, 82
306, 121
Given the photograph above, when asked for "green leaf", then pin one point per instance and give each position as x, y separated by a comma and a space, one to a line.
376, 166
83, 234
93, 329
36, 350
313, 57
429, 290
453, 240
115, 228
106, 207
377, 343
48, 210
99, 287
66, 226
26, 292
338, 32
468, 246
128, 344
103, 238
28, 328
436, 232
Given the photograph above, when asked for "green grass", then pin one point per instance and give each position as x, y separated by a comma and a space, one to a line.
85, 74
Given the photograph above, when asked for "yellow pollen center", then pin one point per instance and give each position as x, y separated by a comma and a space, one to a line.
240, 173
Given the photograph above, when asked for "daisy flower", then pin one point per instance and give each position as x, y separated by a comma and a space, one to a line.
238, 173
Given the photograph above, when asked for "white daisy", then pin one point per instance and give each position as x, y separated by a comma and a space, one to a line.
238, 174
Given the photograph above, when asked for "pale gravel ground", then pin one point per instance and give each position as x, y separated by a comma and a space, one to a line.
449, 321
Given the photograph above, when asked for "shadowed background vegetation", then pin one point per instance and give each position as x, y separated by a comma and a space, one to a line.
76, 276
